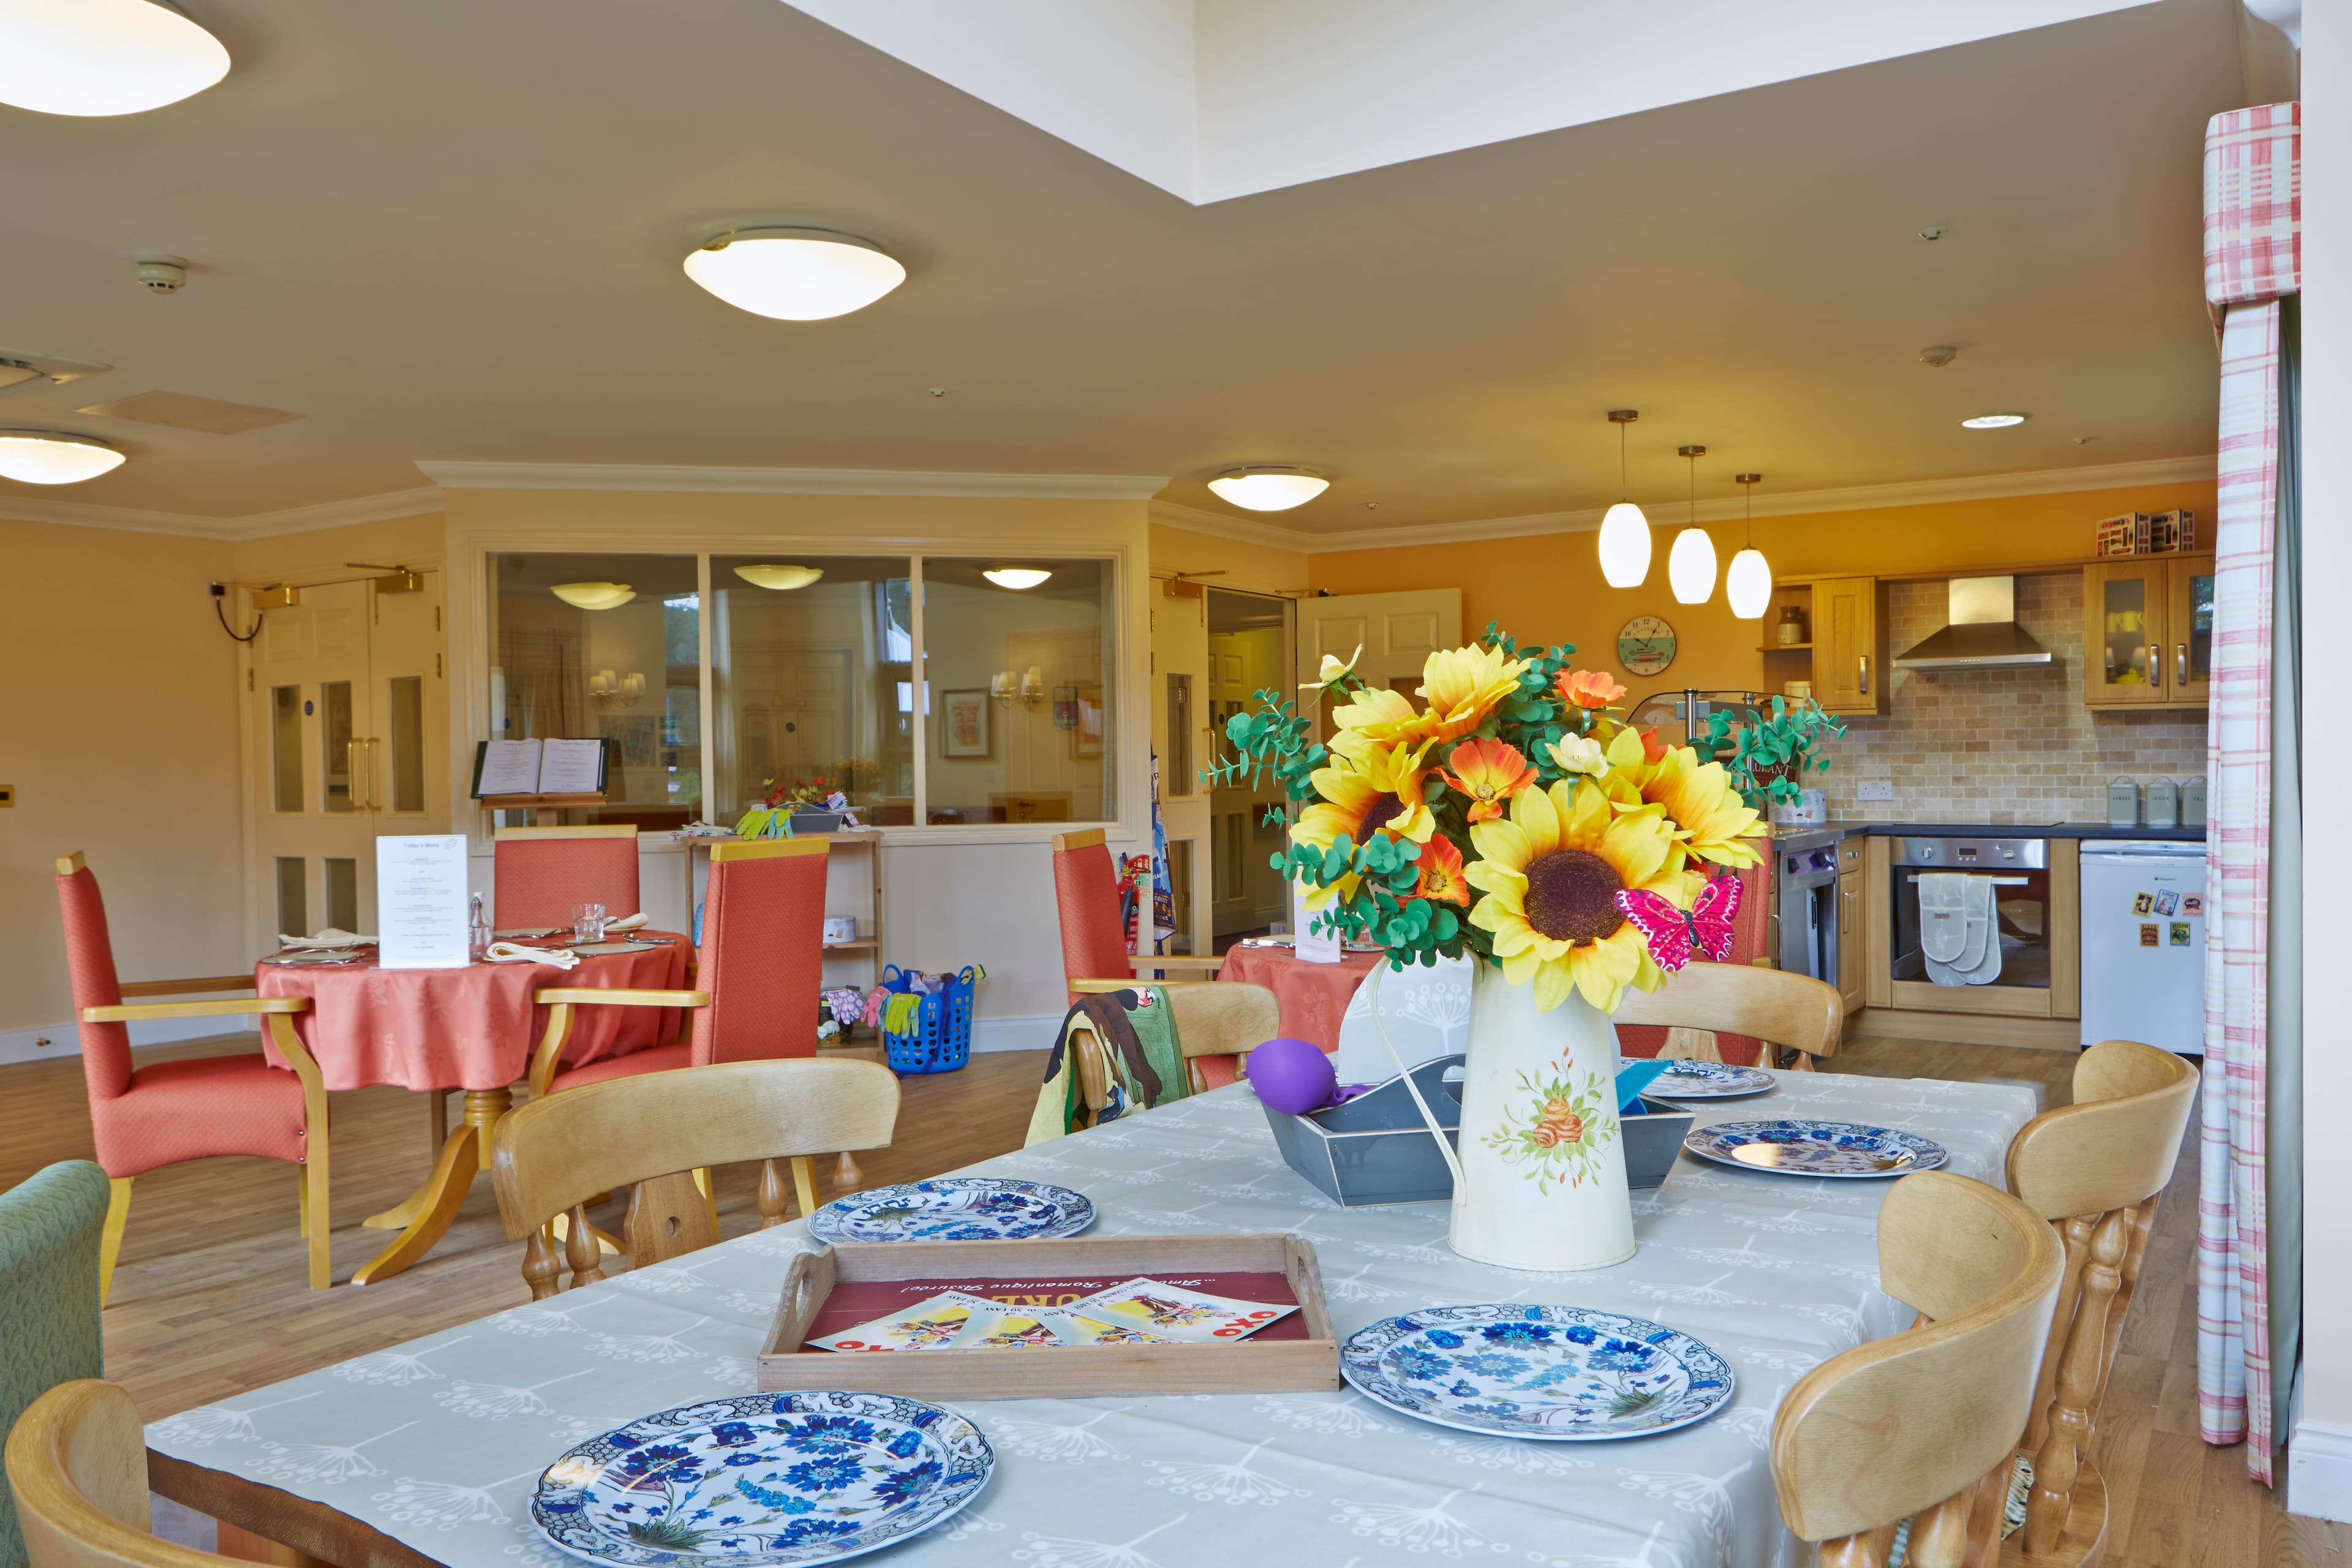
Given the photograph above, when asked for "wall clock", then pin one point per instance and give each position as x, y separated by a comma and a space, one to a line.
1646, 646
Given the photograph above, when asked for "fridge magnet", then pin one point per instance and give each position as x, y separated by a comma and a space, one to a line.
2192, 904
2143, 903
2166, 902
2180, 934
2146, 933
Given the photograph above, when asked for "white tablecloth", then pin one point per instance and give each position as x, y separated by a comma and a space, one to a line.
437, 1443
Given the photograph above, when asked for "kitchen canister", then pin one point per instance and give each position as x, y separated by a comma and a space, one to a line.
2123, 803
2192, 803
2163, 803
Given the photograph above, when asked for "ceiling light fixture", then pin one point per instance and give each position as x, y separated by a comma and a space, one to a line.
1624, 532
795, 274
779, 577
54, 457
1015, 576
1690, 565
594, 595
1748, 582
1269, 487
102, 57
1993, 420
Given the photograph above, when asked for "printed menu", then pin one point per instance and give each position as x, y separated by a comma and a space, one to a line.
420, 901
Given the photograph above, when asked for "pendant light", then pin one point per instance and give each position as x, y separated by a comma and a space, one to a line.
1749, 583
1690, 565
1624, 532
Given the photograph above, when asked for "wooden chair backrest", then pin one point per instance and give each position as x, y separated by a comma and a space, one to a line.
2095, 1170
1924, 1422
1212, 1018
1775, 1006
551, 1156
77, 1464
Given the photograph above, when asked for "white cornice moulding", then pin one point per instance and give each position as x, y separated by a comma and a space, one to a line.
1670, 513
458, 475
254, 525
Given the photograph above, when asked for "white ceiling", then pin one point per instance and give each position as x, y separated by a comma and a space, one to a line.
451, 231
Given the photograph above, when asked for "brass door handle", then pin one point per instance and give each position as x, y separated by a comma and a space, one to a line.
1864, 661
2155, 662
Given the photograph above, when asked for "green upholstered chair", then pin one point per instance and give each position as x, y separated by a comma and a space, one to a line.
49, 1226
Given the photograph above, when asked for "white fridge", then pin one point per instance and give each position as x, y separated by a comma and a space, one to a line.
2144, 943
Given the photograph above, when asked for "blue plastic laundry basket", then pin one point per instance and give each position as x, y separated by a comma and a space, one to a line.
939, 1037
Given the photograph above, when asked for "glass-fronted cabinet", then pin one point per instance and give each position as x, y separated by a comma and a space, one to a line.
2147, 631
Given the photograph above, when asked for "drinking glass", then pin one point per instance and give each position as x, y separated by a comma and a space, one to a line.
587, 922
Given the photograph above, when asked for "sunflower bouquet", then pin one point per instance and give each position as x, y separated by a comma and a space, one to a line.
1503, 814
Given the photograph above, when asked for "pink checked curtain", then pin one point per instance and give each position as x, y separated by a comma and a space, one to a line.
2252, 251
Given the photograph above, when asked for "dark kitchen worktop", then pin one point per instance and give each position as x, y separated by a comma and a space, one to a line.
1813, 837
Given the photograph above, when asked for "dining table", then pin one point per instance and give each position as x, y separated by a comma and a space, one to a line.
471, 1028
438, 1442
1313, 996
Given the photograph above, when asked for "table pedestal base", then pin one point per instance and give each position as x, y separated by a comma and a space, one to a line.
424, 1215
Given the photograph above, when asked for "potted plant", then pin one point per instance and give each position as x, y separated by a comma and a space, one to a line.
1768, 755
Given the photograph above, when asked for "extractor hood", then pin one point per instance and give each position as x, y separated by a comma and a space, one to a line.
1983, 633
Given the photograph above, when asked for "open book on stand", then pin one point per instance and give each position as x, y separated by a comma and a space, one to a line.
542, 767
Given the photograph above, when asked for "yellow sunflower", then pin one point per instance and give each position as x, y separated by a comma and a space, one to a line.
1378, 791
1712, 821
1463, 685
1551, 875
1377, 717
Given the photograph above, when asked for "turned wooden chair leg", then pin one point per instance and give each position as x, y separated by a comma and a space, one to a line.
846, 1175
2081, 1377
581, 1251
540, 1265
772, 1194
110, 1241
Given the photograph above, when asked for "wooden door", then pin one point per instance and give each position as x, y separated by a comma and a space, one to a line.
1852, 942
1181, 738
1849, 656
2125, 612
2189, 628
1248, 892
313, 719
1397, 632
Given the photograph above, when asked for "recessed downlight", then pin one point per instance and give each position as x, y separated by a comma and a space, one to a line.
594, 595
1015, 576
1269, 487
1993, 420
778, 577
94, 58
54, 457
795, 274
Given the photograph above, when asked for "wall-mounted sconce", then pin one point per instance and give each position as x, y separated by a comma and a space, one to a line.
1008, 687
621, 692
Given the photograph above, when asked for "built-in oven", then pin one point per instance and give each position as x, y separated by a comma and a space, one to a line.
2017, 916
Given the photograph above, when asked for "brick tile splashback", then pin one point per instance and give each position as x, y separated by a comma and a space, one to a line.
2006, 744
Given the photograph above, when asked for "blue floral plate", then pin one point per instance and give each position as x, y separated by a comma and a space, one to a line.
762, 1479
1707, 1080
955, 1208
1846, 1148
1561, 1374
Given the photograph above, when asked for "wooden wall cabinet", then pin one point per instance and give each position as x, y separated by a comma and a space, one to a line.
2147, 632
1850, 673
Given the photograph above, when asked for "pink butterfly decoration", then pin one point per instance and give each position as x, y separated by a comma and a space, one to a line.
1673, 933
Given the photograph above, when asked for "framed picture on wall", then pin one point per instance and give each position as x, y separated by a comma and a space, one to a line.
1087, 739
1066, 708
966, 720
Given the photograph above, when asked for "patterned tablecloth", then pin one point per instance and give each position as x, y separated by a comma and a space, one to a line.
438, 1441
1314, 996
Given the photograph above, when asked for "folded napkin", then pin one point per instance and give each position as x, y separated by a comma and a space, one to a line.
515, 953
626, 922
1634, 1078
330, 937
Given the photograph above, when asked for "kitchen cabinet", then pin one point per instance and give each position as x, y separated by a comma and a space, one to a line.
1850, 645
1850, 941
2147, 632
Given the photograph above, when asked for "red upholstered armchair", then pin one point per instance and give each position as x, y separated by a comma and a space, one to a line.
1094, 942
141, 1118
543, 871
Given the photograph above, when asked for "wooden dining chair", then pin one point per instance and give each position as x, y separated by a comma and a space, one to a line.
1787, 1012
1751, 935
49, 1227
1922, 1425
2095, 1170
650, 1133
79, 1467
1225, 1021
1094, 938
542, 872
144, 1117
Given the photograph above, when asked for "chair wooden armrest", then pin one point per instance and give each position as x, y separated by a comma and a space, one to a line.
246, 1005
1143, 960
1104, 987
188, 987
558, 1001
318, 1532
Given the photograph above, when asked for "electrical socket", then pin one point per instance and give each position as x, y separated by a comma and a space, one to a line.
1875, 789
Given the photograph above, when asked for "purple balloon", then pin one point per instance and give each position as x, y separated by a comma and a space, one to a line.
1292, 1076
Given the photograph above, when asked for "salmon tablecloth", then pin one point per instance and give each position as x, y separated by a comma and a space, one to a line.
1313, 995
467, 1029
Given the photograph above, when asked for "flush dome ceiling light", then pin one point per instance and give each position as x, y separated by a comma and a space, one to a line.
778, 577
54, 457
102, 57
1993, 420
1269, 487
1624, 532
795, 274
594, 595
1015, 576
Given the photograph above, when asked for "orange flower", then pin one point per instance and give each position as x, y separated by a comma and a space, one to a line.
1442, 876
1568, 1129
1490, 773
1654, 750
1547, 1135
1588, 687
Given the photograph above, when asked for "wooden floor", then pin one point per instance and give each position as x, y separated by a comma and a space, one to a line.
209, 1301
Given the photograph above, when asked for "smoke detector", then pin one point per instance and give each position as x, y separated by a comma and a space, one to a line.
162, 274
1938, 357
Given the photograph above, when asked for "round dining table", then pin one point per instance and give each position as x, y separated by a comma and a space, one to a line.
472, 1028
1313, 996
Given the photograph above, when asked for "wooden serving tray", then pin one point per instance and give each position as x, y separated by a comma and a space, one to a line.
1257, 1364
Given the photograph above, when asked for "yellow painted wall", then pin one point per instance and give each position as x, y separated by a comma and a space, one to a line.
1549, 589
1252, 568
